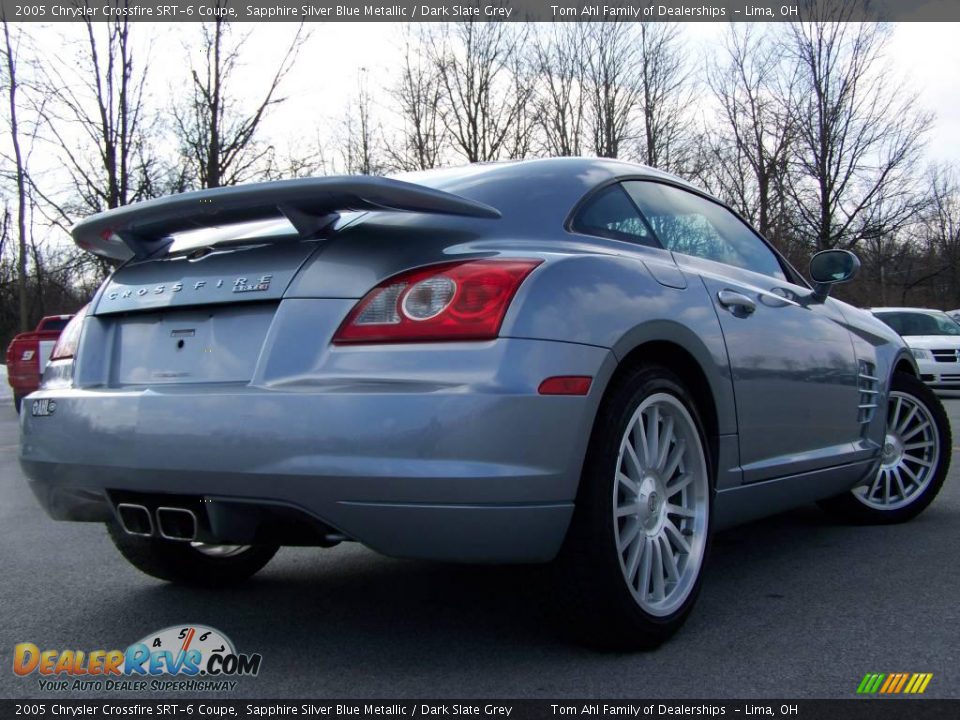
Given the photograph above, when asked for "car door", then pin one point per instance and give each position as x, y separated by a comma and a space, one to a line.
792, 361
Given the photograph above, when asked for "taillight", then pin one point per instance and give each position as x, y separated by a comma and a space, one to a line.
66, 346
453, 301
566, 385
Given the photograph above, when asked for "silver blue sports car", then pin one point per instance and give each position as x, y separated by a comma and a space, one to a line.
580, 360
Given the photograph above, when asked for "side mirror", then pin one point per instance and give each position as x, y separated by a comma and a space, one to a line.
829, 267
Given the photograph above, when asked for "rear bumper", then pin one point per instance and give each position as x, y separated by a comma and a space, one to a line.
478, 470
23, 384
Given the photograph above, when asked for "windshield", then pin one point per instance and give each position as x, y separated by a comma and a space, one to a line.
920, 323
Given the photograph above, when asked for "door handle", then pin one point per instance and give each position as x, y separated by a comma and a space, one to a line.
736, 302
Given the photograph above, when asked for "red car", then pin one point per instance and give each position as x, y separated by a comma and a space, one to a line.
28, 353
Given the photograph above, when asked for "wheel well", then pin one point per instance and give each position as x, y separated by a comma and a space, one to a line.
904, 366
679, 361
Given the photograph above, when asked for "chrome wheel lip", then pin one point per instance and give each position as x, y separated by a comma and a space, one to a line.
660, 504
909, 457
219, 551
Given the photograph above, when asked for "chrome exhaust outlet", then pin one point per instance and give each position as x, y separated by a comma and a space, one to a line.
177, 523
135, 519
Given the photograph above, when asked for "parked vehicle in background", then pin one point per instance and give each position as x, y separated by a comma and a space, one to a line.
570, 358
955, 314
933, 337
27, 355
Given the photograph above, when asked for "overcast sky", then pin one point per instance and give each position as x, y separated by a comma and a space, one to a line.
926, 55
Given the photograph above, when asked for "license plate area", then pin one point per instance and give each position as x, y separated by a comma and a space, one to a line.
210, 344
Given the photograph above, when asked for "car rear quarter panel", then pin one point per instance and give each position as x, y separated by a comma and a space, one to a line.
625, 302
616, 302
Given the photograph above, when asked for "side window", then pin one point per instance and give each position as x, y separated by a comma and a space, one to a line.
689, 224
610, 213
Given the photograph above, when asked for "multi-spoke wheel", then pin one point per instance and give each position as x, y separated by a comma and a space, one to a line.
661, 504
913, 462
637, 544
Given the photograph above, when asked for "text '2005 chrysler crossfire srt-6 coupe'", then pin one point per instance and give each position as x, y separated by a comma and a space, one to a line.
578, 360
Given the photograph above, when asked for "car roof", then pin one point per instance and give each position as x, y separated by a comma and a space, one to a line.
535, 194
904, 309
586, 169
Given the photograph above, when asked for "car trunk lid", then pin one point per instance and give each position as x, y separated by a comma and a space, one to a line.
255, 273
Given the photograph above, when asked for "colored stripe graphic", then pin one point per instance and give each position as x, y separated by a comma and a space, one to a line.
871, 683
903, 681
894, 683
918, 683
891, 680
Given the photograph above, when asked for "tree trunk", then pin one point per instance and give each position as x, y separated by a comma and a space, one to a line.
21, 187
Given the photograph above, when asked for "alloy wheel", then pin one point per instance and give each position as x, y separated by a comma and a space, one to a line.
661, 504
911, 451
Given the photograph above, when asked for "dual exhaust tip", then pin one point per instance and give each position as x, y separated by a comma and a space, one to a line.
171, 523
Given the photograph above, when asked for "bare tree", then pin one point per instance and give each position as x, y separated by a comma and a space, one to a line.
560, 65
482, 102
417, 97
218, 135
751, 149
613, 76
858, 133
98, 120
11, 52
301, 156
360, 144
666, 98
941, 231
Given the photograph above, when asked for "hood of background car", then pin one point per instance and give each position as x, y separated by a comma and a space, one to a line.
932, 341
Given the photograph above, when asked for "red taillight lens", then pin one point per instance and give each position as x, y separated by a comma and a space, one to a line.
66, 346
566, 385
453, 301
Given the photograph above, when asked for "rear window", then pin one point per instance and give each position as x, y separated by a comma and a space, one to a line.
56, 324
611, 213
915, 323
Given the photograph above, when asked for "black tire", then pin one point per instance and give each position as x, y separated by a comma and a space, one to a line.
603, 608
17, 400
856, 507
179, 562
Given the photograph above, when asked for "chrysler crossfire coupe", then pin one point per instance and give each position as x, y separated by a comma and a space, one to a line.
583, 361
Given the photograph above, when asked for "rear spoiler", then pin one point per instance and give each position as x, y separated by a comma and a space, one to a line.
143, 230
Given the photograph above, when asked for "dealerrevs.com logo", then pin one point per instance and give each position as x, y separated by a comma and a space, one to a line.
178, 658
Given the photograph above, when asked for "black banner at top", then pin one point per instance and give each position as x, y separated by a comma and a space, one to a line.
45, 11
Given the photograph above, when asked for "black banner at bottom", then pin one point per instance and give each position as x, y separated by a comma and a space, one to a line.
854, 709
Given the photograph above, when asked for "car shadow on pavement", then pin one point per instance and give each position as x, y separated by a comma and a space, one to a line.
349, 597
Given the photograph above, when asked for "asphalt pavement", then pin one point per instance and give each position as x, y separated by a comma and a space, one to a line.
792, 606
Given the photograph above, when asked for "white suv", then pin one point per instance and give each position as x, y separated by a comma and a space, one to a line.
934, 338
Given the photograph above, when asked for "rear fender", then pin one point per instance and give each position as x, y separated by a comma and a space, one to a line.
615, 302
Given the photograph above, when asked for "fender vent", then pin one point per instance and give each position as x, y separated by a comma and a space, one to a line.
867, 383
